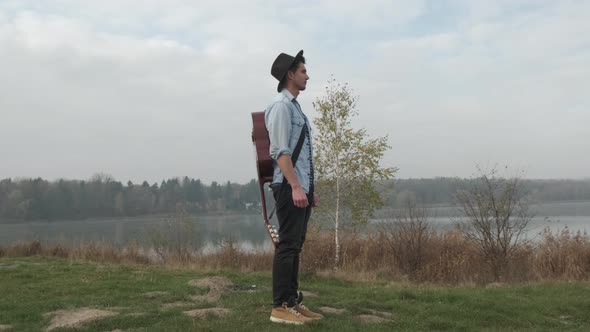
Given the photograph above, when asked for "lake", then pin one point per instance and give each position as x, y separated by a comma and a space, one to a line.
247, 231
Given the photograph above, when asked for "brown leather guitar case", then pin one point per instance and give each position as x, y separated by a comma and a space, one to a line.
264, 166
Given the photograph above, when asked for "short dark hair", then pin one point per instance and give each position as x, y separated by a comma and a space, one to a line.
298, 60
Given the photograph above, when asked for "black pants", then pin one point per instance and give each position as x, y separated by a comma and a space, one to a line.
292, 229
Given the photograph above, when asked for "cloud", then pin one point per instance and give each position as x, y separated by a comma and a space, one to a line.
494, 90
153, 89
73, 91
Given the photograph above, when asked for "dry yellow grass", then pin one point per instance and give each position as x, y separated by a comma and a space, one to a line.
445, 258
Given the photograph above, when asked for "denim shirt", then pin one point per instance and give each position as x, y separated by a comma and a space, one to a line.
284, 120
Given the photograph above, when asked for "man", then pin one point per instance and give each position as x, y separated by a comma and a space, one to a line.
292, 186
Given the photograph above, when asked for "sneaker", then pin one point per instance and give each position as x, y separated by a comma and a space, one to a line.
287, 315
304, 311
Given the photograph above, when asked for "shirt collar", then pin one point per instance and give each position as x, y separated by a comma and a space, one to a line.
288, 94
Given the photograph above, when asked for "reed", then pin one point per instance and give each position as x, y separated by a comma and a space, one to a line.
442, 258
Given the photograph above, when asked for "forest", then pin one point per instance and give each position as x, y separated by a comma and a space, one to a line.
102, 196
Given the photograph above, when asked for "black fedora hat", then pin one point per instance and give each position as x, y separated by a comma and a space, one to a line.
281, 65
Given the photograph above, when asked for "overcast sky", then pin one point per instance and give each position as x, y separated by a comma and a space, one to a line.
146, 89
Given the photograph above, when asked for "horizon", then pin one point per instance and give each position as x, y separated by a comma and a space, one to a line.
158, 182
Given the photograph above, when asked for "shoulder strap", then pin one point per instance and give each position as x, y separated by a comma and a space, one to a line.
297, 150
299, 145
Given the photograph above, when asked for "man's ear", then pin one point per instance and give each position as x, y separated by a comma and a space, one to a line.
290, 75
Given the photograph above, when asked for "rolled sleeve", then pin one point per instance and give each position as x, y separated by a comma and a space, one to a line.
278, 124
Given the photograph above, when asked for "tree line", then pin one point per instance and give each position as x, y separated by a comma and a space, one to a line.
442, 190
102, 196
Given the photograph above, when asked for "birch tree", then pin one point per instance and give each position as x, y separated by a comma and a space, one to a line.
347, 162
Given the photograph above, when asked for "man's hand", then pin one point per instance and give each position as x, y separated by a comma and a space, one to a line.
299, 197
316, 200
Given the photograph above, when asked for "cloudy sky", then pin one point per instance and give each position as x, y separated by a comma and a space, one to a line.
148, 89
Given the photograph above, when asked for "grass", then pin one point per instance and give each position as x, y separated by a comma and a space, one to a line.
33, 286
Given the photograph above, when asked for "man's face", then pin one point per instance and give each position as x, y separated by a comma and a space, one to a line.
299, 77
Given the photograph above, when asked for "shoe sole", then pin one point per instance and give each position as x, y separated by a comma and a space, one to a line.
284, 321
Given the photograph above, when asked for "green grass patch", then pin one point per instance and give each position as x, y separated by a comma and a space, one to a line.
33, 286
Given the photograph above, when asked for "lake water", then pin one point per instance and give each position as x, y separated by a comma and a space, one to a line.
208, 232
247, 231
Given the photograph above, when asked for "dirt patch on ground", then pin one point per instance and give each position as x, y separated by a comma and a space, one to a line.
371, 319
5, 327
168, 306
328, 310
211, 282
380, 313
309, 294
217, 287
77, 317
203, 313
153, 295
